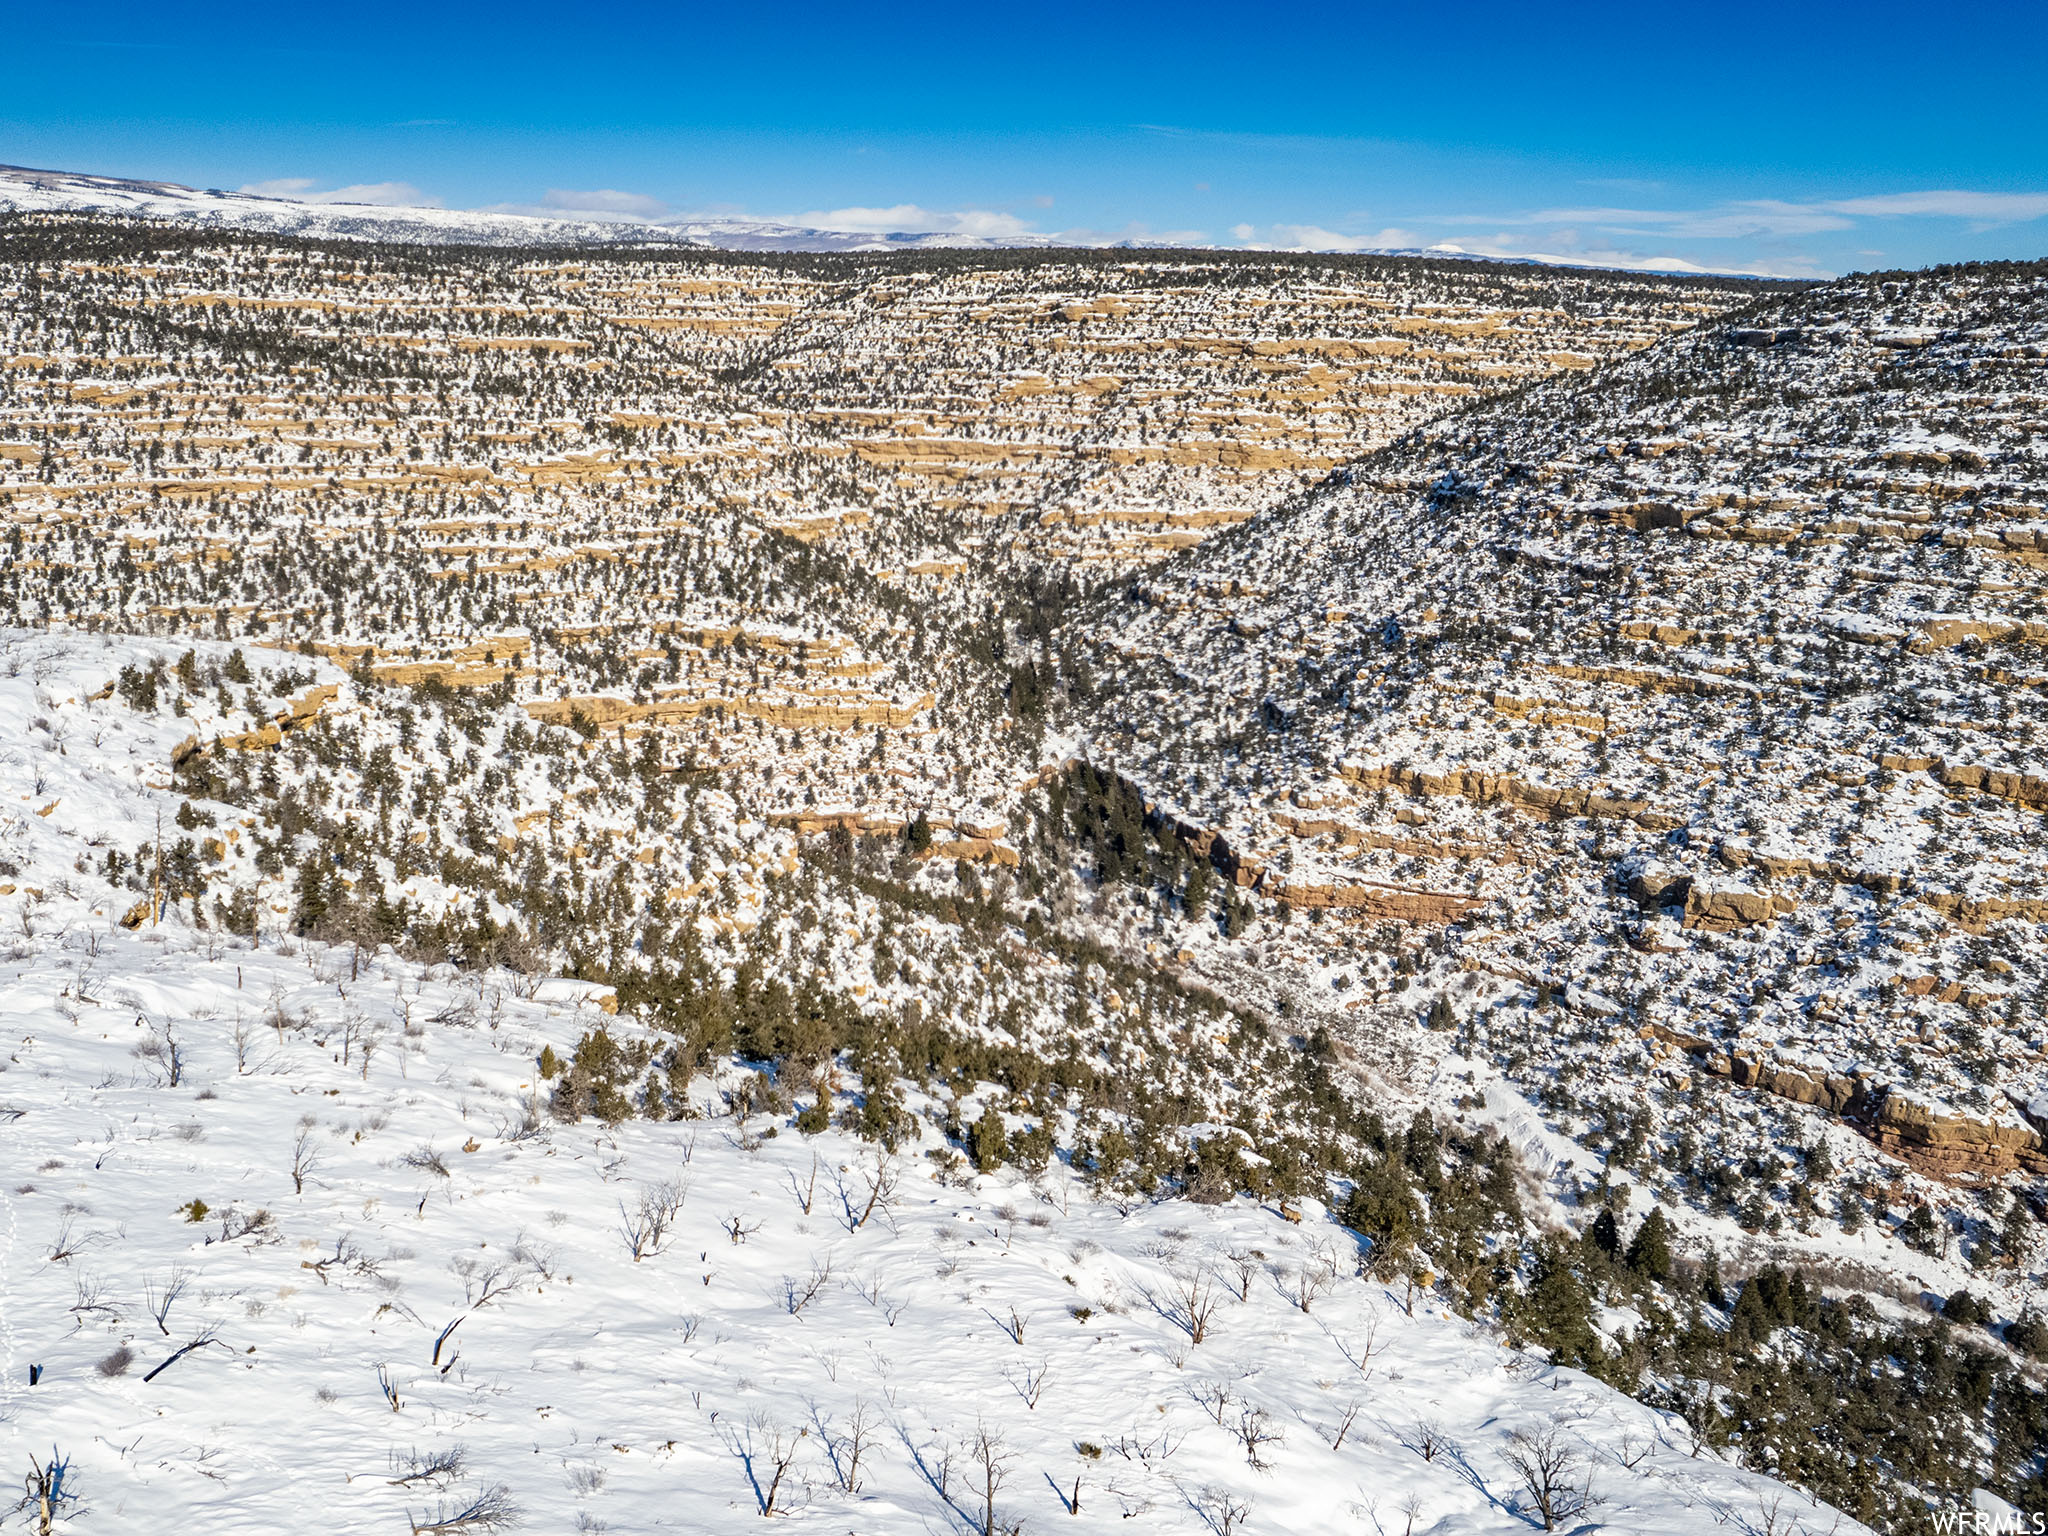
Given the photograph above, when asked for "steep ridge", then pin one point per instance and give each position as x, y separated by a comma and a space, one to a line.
1700, 696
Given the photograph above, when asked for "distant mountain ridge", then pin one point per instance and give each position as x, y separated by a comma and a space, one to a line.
26, 190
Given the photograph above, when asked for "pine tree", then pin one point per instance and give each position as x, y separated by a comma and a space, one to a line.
1382, 1205
918, 835
1558, 1309
988, 1141
1649, 1252
1604, 1234
312, 894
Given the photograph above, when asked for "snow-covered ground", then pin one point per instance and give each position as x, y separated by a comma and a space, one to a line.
24, 190
402, 1262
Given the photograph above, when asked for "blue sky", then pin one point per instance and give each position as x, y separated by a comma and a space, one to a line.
1782, 137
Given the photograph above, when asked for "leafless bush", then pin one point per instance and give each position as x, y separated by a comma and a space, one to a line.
1313, 1280
1214, 1398
844, 1450
1255, 1430
738, 1228
1029, 1383
987, 1452
1222, 1511
437, 1467
1244, 1265
117, 1363
648, 1223
523, 1122
869, 1289
1189, 1300
237, 1223
160, 1298
424, 1158
305, 1158
806, 1191
347, 1258
206, 1336
245, 1044
1344, 1424
491, 1510
90, 1293
482, 1283
67, 1244
1361, 1354
162, 1050
538, 1257
798, 1294
1633, 1449
1556, 1476
1427, 1439
46, 1490
766, 1450
878, 1177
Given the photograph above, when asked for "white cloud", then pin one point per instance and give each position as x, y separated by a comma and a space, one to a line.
909, 218
378, 194
605, 200
1564, 255
1764, 219
1998, 207
1313, 237
1774, 219
381, 194
987, 224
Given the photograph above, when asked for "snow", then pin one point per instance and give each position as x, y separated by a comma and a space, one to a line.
32, 191
445, 1239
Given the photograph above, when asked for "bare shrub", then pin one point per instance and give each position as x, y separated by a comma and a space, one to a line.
1189, 1300
1556, 1476
491, 1510
117, 1363
648, 1223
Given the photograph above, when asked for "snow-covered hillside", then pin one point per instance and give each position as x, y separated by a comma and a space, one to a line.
290, 1229
23, 190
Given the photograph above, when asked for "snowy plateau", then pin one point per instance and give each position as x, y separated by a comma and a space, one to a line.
23, 190
969, 890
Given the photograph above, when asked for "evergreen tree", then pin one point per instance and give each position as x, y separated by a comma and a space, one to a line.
988, 1142
1382, 1205
313, 894
1604, 1235
1649, 1252
918, 835
1558, 1311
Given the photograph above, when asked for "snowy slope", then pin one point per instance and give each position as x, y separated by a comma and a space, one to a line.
24, 190
443, 1237
31, 191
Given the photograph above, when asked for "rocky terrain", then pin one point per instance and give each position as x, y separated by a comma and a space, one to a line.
1535, 767
1707, 701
